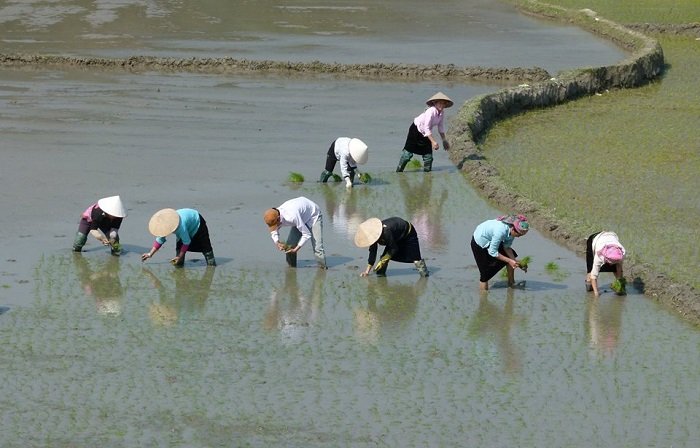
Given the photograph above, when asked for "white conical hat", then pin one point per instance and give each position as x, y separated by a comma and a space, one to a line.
358, 151
368, 232
439, 96
112, 206
164, 222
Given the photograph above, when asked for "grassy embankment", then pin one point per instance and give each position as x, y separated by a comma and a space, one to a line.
625, 160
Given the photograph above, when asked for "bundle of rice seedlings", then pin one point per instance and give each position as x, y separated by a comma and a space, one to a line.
414, 163
336, 178
525, 262
619, 286
365, 178
296, 177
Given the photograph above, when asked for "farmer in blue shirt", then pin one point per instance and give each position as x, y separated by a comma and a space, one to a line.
190, 231
491, 246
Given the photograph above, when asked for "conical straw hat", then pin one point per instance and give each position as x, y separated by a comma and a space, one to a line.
164, 222
368, 232
112, 206
358, 151
439, 96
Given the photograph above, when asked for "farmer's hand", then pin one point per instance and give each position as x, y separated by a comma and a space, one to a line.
348, 183
292, 250
446, 145
176, 260
146, 256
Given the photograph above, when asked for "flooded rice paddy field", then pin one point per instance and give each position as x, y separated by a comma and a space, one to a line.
99, 350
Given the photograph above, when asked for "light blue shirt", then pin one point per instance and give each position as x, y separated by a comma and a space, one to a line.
189, 224
490, 234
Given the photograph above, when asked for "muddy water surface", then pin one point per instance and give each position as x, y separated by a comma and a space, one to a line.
110, 351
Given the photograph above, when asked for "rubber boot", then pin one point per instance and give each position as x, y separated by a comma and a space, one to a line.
209, 256
79, 241
382, 271
325, 175
428, 163
405, 158
291, 259
422, 268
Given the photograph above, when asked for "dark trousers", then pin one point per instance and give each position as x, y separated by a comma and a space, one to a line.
488, 265
200, 241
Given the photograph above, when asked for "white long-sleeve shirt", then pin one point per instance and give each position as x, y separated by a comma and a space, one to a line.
301, 213
601, 240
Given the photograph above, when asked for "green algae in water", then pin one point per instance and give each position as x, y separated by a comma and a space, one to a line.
296, 177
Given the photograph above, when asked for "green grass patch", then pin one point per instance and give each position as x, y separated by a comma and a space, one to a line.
637, 11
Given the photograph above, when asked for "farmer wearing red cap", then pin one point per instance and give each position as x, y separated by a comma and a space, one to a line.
491, 245
604, 253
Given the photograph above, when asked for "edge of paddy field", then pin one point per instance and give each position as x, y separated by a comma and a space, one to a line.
479, 114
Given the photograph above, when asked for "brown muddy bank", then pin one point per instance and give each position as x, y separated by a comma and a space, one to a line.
230, 65
673, 29
479, 114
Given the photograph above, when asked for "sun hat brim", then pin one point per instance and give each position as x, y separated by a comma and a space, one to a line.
358, 151
164, 222
368, 232
112, 206
440, 96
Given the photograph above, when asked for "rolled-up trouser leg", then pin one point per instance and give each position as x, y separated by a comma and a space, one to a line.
427, 162
79, 241
405, 158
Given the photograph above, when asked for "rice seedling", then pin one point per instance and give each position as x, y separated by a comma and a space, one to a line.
336, 178
365, 178
414, 164
296, 177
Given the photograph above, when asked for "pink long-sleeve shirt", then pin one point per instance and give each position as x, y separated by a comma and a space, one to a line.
426, 121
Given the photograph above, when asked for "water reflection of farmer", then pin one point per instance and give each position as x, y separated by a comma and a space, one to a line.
342, 207
290, 310
186, 302
424, 212
101, 220
349, 152
490, 319
400, 240
604, 253
603, 324
103, 284
491, 245
389, 307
